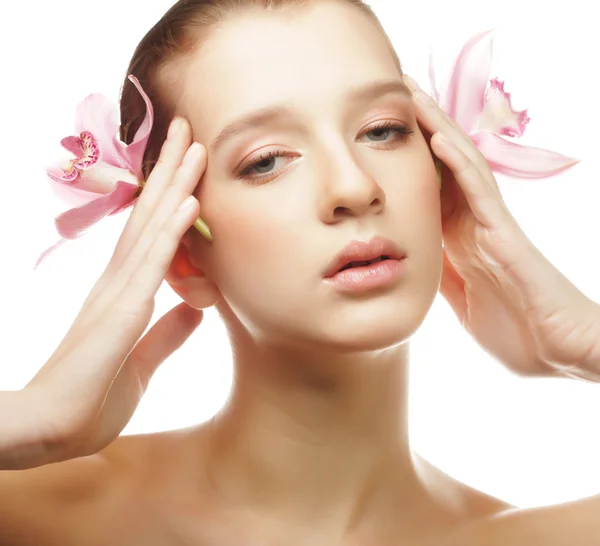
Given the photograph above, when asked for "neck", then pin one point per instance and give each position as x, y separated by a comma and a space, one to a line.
317, 440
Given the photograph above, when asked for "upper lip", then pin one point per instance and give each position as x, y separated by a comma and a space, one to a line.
360, 251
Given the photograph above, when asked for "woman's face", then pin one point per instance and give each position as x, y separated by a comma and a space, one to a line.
334, 176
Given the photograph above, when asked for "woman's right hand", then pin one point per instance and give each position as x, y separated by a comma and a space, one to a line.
86, 393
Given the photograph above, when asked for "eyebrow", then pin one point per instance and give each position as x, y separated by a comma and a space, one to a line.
262, 116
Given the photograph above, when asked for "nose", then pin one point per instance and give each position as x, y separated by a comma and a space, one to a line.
348, 189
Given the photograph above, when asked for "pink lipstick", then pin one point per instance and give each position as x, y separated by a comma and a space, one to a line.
362, 266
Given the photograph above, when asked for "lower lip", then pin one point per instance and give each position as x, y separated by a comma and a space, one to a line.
368, 277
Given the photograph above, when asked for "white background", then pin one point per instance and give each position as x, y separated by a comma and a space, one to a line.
530, 442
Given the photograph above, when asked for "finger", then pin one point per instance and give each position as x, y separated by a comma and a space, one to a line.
152, 271
171, 156
484, 199
435, 119
79, 375
165, 337
165, 212
149, 260
452, 198
425, 103
87, 362
143, 272
172, 153
474, 175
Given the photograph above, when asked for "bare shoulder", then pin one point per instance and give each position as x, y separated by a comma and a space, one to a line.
570, 524
120, 496
492, 522
574, 523
64, 502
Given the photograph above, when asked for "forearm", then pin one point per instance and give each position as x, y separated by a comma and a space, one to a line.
23, 432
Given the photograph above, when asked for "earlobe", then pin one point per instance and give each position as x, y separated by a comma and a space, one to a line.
189, 282
181, 266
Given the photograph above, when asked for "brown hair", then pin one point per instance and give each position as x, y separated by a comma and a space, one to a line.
176, 35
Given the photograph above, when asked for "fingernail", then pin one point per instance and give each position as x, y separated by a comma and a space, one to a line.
192, 154
444, 140
187, 204
174, 128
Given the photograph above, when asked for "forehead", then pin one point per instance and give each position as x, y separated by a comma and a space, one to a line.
305, 57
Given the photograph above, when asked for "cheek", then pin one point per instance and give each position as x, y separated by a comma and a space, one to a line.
252, 239
427, 219
417, 221
415, 200
427, 238
429, 205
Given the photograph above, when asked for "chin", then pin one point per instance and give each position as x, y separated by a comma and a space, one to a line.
363, 330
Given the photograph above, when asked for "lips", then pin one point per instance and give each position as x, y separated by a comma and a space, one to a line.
369, 262
358, 253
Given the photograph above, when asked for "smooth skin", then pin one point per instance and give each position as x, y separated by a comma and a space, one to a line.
282, 465
69, 410
498, 283
110, 495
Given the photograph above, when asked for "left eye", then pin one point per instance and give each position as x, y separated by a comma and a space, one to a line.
266, 163
386, 126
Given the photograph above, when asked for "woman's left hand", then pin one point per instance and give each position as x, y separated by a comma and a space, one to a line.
506, 294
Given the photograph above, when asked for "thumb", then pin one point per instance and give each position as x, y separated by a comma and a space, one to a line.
166, 336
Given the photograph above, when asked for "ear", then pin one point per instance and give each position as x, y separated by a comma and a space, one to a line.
190, 282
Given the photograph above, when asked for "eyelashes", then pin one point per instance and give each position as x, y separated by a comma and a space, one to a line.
265, 161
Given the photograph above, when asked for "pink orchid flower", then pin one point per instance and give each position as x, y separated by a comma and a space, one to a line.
486, 114
106, 174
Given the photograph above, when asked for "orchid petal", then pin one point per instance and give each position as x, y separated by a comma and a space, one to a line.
48, 251
498, 115
61, 175
74, 145
97, 115
73, 223
103, 178
71, 195
432, 79
91, 152
514, 159
464, 99
135, 151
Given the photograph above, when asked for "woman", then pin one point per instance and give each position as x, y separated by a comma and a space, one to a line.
312, 446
